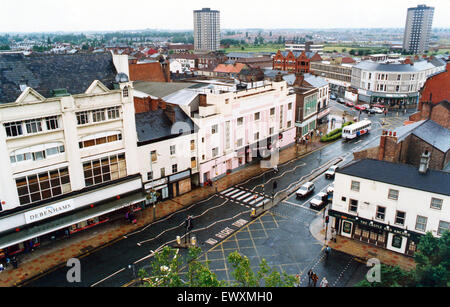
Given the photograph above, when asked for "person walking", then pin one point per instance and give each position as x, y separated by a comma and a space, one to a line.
314, 278
327, 251
324, 282
310, 274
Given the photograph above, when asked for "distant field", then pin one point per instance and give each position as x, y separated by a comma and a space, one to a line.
340, 49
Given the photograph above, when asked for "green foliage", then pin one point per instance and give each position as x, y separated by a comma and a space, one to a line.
432, 260
334, 134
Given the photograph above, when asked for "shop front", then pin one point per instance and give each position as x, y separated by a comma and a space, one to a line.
179, 183
159, 186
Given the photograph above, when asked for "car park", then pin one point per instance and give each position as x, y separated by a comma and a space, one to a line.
305, 189
319, 201
331, 172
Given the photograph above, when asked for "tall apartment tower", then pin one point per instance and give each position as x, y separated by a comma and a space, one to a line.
206, 30
418, 29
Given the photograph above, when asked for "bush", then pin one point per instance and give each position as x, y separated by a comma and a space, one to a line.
334, 134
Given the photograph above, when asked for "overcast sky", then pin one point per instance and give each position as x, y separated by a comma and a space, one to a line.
110, 15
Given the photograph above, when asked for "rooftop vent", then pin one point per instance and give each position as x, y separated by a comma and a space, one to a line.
59, 92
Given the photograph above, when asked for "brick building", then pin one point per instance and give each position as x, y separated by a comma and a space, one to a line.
436, 88
294, 61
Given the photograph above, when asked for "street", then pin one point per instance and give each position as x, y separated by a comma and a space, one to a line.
222, 223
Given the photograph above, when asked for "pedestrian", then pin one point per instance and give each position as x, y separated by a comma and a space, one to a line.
314, 278
327, 251
333, 235
1, 267
310, 274
14, 262
324, 282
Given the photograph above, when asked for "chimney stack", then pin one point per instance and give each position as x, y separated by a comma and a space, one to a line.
424, 162
170, 113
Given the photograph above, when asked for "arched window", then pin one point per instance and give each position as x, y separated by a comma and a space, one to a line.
125, 91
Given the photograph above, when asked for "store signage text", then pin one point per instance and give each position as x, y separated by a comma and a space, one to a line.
48, 211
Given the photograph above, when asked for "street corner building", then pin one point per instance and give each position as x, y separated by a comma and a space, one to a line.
390, 205
68, 145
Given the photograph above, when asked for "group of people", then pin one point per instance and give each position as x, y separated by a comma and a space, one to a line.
313, 279
130, 216
306, 138
8, 261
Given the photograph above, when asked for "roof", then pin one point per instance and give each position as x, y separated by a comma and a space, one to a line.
231, 68
437, 86
46, 72
429, 131
161, 89
314, 80
155, 126
394, 67
404, 175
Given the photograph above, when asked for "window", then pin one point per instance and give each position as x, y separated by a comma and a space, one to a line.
436, 203
192, 144
393, 194
443, 226
172, 149
289, 124
240, 121
353, 207
355, 186
256, 136
174, 168
163, 172
13, 128
381, 213
227, 101
344, 199
98, 115
215, 151
214, 129
82, 117
113, 112
104, 169
271, 130
400, 218
153, 155
98, 140
36, 153
33, 125
272, 111
51, 122
397, 241
290, 106
125, 91
421, 223
149, 175
239, 143
257, 116
193, 162
48, 184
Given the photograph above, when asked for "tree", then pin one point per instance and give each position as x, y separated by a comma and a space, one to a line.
390, 277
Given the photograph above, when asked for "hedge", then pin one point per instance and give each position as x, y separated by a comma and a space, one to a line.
334, 134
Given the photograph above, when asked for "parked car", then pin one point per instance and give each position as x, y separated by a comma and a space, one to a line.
360, 107
349, 104
305, 189
376, 110
331, 172
340, 100
332, 96
330, 189
319, 201
377, 105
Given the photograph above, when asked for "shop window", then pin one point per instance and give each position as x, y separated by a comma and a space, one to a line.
346, 227
397, 241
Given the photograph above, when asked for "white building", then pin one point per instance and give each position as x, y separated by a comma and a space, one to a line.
307, 47
419, 20
206, 30
393, 83
390, 205
67, 144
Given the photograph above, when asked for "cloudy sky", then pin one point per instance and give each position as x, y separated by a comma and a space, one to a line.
110, 15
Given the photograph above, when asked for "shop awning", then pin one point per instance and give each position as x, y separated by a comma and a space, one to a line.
66, 221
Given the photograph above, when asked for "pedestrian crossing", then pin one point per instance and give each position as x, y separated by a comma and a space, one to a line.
246, 197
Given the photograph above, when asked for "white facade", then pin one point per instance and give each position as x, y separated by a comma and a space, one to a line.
74, 142
206, 30
176, 66
408, 209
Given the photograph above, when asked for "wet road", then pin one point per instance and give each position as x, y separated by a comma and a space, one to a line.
220, 219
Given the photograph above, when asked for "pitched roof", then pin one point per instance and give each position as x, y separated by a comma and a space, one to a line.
404, 175
235, 68
161, 89
429, 131
47, 72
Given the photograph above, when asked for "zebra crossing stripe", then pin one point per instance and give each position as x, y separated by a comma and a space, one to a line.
256, 200
232, 192
237, 194
227, 190
244, 196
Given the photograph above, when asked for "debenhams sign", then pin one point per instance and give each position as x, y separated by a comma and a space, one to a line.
48, 211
